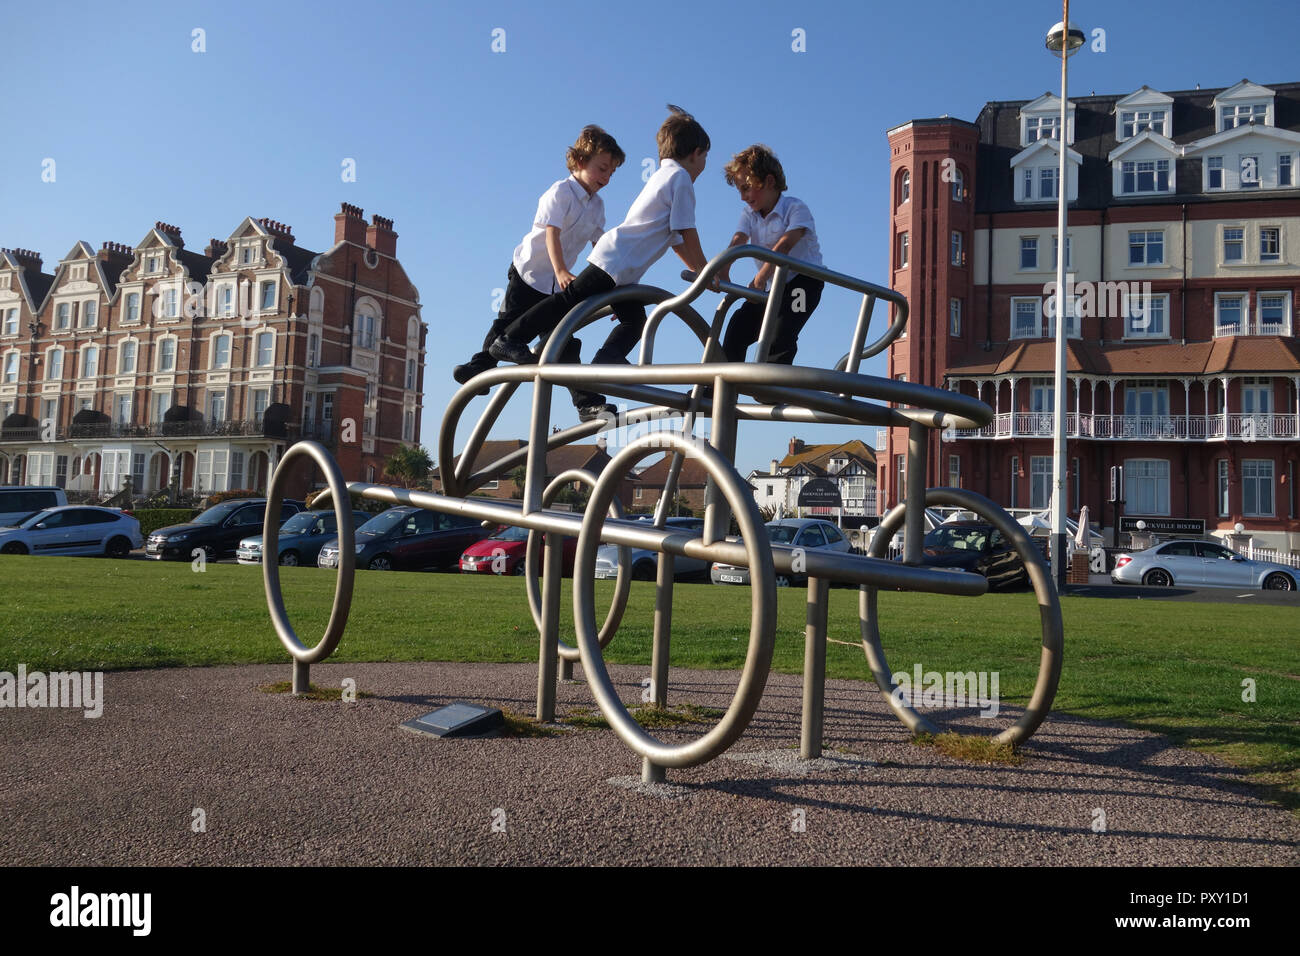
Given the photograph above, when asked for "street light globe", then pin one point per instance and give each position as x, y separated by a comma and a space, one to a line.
1060, 37
1239, 527
1142, 525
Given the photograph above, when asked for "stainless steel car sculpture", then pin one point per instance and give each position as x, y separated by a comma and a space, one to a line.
727, 393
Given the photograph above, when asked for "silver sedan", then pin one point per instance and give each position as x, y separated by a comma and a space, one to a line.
1201, 564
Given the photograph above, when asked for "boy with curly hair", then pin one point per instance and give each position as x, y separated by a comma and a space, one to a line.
569, 215
782, 224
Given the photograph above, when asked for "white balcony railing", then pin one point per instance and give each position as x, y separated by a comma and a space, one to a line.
1235, 426
1252, 327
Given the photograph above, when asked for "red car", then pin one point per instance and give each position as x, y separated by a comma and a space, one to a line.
504, 553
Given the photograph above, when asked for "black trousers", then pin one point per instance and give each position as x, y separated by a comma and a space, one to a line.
520, 297
802, 294
542, 318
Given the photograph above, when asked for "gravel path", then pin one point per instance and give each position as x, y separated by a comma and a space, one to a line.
284, 781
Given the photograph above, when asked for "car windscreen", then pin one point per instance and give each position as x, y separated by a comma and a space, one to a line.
510, 533
383, 523
36, 519
301, 523
780, 533
957, 539
218, 513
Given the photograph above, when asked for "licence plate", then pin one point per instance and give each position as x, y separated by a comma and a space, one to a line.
329, 562
606, 575
731, 578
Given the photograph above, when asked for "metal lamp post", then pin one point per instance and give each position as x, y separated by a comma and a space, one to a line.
1063, 39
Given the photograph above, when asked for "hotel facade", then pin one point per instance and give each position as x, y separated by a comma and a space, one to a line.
152, 363
1183, 251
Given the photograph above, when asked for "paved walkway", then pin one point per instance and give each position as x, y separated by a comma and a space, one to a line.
284, 781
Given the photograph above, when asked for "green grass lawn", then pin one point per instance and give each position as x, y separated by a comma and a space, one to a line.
1175, 668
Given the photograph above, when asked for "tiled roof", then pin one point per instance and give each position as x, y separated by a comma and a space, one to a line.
693, 473
1229, 354
817, 456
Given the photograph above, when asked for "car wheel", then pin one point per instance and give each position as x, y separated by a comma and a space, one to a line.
118, 548
1158, 578
783, 580
289, 559
1277, 581
643, 571
14, 547
519, 569
380, 562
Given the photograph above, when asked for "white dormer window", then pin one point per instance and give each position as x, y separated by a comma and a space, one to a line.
78, 272
153, 264
1230, 117
1041, 127
1133, 122
249, 253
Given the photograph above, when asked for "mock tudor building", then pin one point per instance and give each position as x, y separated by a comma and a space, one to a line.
1184, 250
851, 465
152, 362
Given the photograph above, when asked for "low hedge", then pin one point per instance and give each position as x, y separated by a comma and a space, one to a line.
151, 519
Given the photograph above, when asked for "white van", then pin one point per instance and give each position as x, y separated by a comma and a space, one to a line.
19, 501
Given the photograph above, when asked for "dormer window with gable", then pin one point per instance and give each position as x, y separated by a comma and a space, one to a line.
1133, 122
1230, 117
250, 253
153, 264
1037, 173
1041, 127
78, 272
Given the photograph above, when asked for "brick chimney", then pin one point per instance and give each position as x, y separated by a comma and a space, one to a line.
380, 236
350, 225
216, 248
173, 231
26, 258
796, 446
117, 254
277, 228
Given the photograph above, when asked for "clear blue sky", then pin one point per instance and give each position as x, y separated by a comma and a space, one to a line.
456, 142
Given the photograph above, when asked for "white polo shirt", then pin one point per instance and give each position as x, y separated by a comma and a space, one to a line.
580, 217
665, 207
788, 213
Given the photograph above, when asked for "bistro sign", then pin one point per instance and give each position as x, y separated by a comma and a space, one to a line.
820, 493
1129, 523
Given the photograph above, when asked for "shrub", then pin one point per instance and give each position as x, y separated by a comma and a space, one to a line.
220, 496
326, 502
151, 519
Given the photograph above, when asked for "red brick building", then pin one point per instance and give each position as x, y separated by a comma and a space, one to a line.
150, 361
1184, 251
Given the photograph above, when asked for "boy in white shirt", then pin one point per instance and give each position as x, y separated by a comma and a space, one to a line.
782, 224
569, 215
663, 215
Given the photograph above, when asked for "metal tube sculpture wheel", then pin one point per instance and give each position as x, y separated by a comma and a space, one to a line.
304, 656
1049, 612
762, 630
533, 563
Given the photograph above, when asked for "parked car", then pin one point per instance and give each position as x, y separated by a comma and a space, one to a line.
20, 502
978, 547
74, 529
218, 530
807, 533
510, 545
301, 538
405, 538
645, 563
1201, 564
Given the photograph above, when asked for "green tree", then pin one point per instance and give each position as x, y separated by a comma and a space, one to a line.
519, 477
409, 465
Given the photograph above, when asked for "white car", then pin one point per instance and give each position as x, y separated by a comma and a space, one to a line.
72, 530
1201, 564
